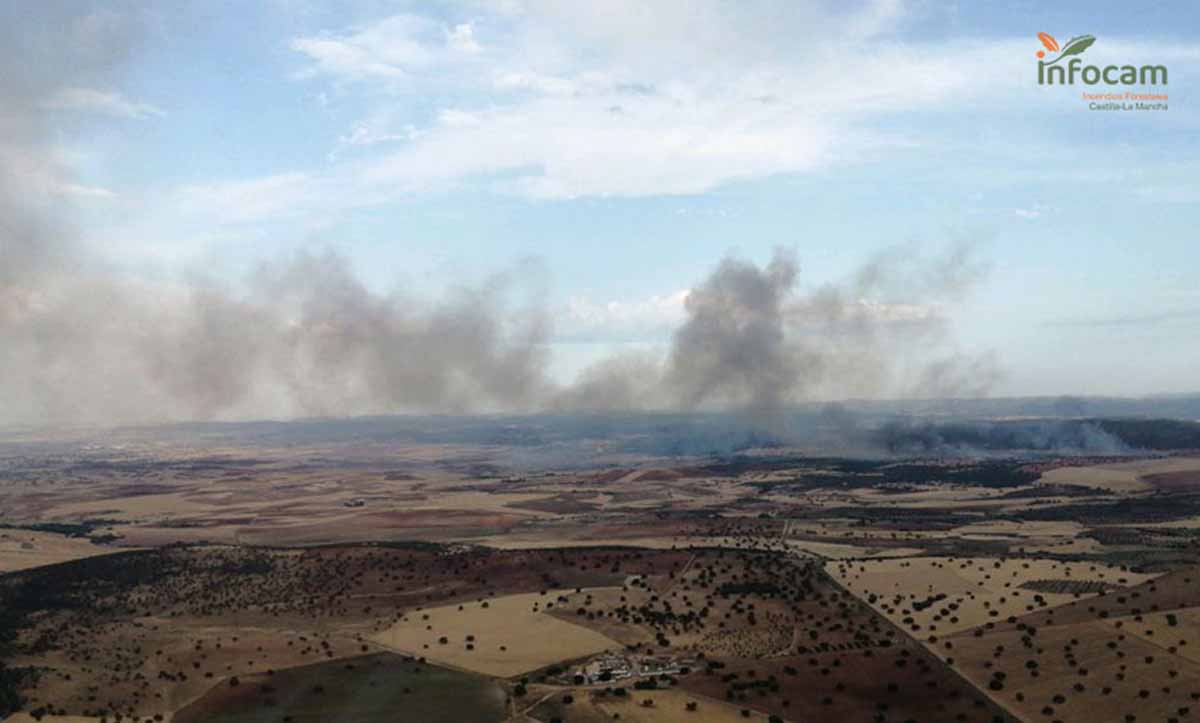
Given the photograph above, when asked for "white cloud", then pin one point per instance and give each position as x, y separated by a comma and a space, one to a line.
369, 134
514, 80
90, 100
81, 191
571, 147
570, 99
462, 39
395, 48
559, 99
651, 319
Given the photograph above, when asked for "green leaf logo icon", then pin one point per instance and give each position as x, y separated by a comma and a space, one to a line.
1074, 46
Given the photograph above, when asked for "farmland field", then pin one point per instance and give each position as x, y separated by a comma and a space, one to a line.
145, 582
368, 689
502, 636
1127, 476
943, 595
22, 549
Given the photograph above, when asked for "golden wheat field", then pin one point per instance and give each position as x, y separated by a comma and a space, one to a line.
501, 636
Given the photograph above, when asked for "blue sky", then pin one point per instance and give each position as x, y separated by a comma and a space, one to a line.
614, 152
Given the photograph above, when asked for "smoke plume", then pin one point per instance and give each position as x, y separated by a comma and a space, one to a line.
756, 340
983, 438
304, 337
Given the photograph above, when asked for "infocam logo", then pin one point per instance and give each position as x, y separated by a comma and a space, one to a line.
1057, 72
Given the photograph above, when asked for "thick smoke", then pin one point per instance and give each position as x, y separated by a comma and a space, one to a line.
304, 337
982, 438
734, 346
38, 56
80, 343
755, 340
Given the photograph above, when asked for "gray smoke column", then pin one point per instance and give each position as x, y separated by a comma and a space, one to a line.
756, 339
734, 350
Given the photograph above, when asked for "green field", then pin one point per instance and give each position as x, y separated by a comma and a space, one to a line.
366, 689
